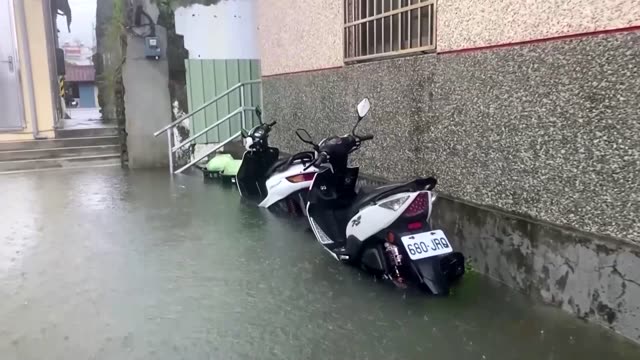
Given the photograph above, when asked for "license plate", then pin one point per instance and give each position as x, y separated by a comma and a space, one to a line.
424, 245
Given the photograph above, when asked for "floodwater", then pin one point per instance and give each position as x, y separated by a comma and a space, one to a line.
108, 264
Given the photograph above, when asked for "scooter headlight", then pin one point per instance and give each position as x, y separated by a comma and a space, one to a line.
394, 204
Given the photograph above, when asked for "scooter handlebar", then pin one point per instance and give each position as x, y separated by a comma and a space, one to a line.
271, 124
322, 157
366, 137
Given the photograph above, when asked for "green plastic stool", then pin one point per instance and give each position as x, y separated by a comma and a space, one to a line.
231, 168
219, 162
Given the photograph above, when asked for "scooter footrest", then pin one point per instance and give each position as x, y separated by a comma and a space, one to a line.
340, 251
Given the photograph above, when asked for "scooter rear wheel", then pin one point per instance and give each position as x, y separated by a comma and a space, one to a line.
286, 207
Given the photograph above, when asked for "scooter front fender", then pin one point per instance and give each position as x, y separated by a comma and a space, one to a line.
250, 175
437, 273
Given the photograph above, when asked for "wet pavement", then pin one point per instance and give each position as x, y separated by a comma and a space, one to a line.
108, 264
85, 118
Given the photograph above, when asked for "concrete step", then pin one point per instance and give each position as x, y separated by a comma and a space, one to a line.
63, 152
59, 163
58, 143
89, 132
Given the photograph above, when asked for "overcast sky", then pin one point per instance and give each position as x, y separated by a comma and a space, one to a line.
82, 25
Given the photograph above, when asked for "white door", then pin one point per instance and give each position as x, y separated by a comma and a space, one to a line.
10, 90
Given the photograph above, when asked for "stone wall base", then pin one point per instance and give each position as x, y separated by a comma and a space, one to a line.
596, 278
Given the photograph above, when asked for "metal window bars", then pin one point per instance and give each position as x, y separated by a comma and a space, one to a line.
169, 129
382, 28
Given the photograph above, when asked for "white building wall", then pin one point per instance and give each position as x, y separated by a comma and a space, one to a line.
227, 30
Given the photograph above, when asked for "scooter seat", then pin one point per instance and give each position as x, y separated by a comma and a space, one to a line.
281, 164
366, 196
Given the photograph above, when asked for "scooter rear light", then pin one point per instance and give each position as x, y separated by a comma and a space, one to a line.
414, 225
419, 205
301, 177
394, 204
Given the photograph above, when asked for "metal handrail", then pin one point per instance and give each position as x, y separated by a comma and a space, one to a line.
203, 106
210, 127
240, 110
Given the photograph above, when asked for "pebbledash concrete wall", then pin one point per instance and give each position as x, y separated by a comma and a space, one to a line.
299, 35
535, 146
475, 23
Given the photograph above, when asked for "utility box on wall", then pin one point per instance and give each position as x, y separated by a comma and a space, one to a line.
152, 48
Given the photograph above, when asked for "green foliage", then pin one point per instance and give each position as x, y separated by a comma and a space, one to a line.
176, 53
113, 56
468, 267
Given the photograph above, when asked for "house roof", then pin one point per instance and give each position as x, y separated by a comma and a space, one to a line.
78, 73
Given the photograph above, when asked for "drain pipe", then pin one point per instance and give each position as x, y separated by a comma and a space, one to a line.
26, 53
52, 43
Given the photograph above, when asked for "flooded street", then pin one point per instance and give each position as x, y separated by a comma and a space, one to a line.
107, 264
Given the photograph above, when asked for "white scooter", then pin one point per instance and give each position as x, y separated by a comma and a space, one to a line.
277, 184
384, 230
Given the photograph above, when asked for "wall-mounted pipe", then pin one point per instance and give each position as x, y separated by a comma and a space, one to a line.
52, 43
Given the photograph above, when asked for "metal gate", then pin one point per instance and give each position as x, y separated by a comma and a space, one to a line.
11, 116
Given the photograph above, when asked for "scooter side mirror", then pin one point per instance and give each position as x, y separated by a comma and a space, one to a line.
304, 136
259, 113
363, 108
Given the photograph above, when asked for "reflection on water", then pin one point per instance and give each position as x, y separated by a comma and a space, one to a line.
117, 265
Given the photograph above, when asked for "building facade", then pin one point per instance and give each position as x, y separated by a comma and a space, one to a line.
526, 112
27, 99
80, 83
218, 62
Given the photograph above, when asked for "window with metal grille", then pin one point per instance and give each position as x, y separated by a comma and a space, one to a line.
382, 28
